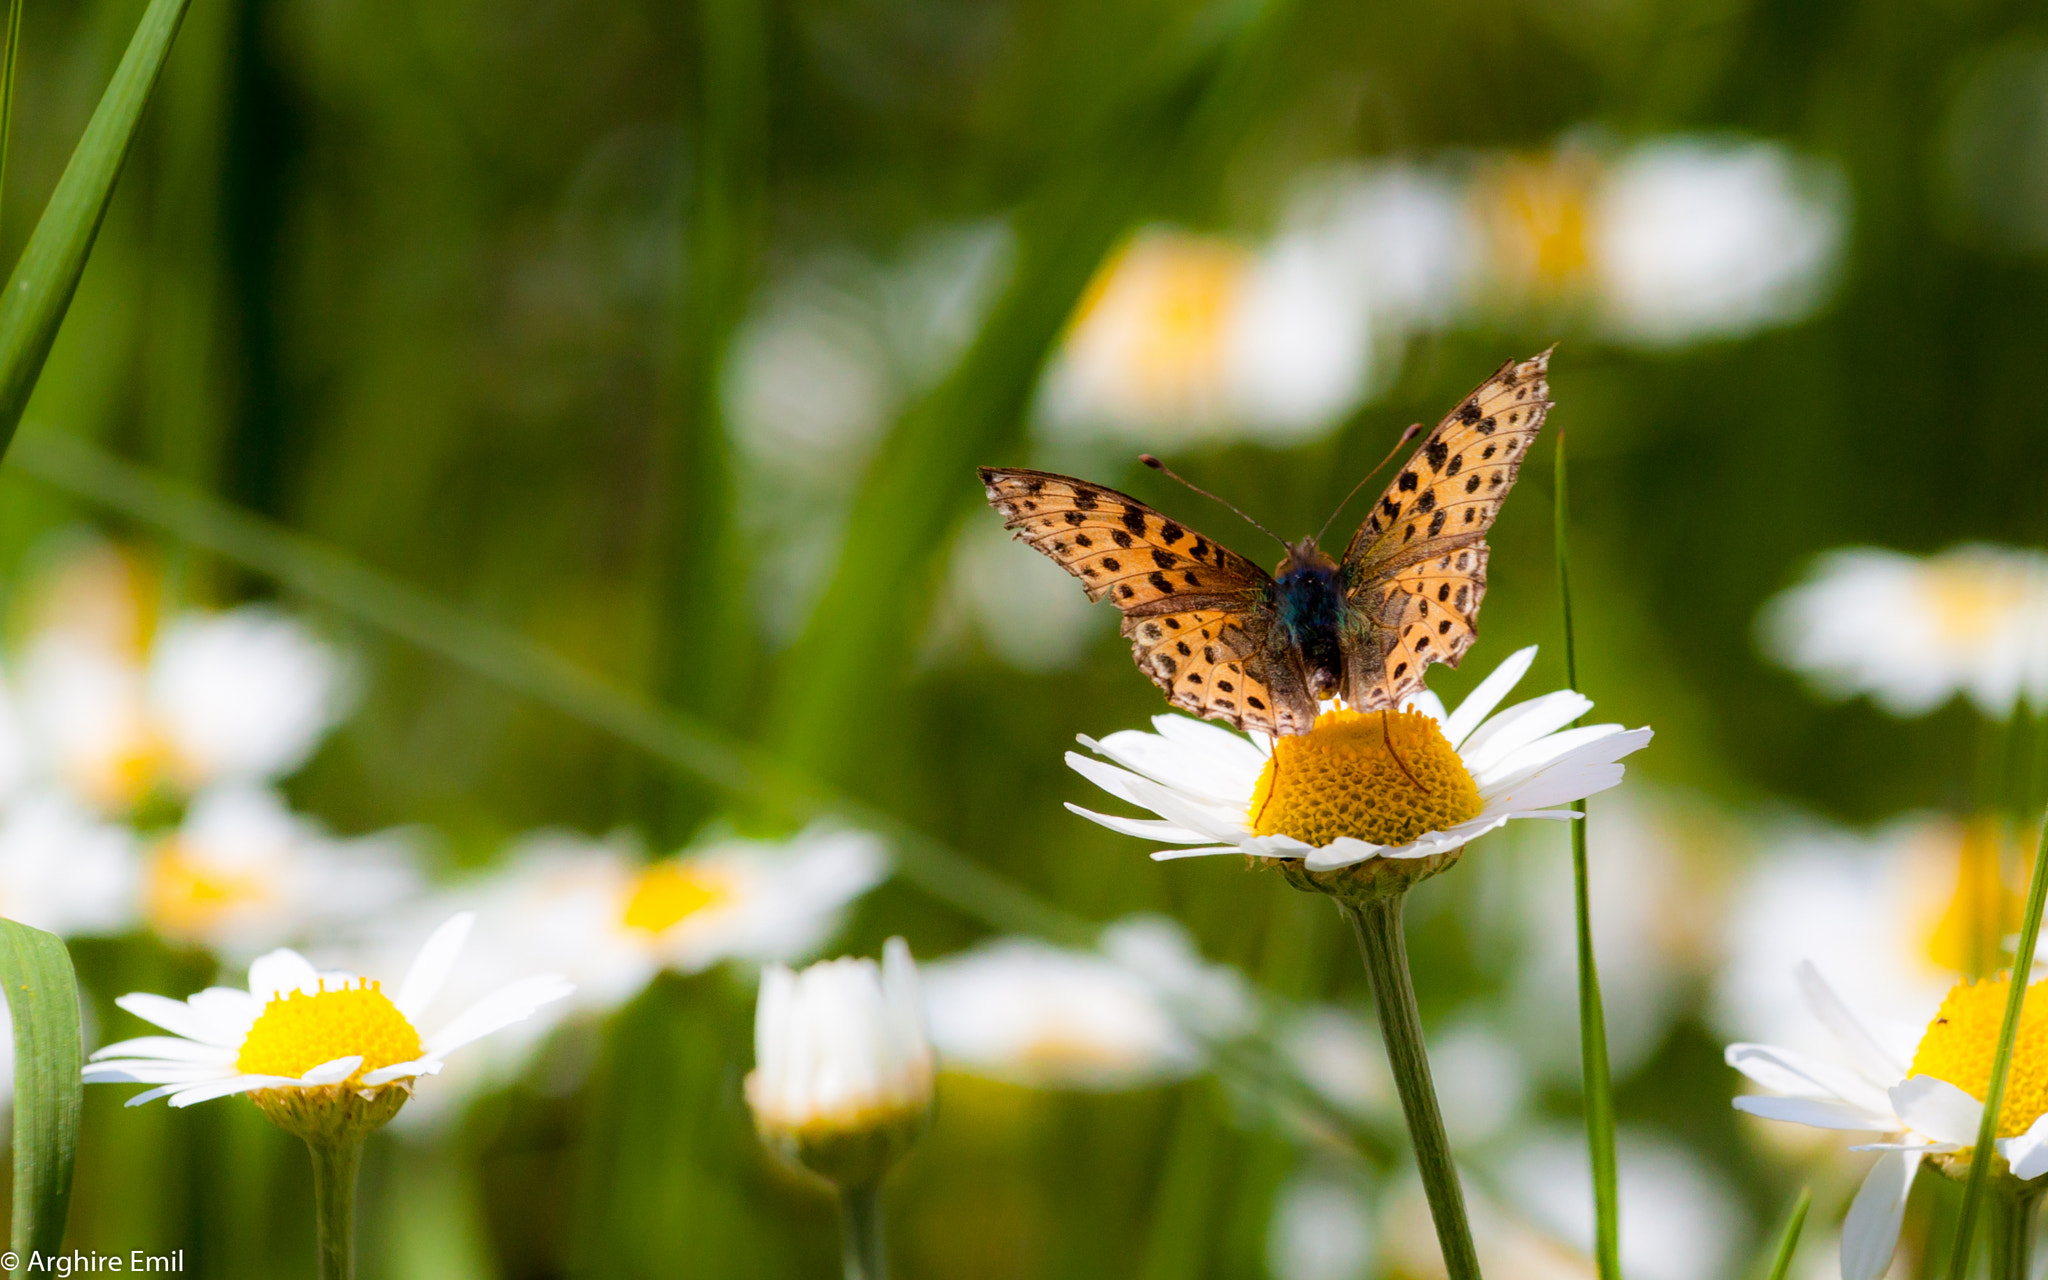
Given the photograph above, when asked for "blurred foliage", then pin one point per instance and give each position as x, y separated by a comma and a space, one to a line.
448, 285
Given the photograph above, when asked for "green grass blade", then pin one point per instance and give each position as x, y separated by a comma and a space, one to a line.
39, 291
1994, 1096
1788, 1239
7, 65
49, 1089
1596, 1080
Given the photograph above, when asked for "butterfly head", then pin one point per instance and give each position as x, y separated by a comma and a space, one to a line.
1305, 559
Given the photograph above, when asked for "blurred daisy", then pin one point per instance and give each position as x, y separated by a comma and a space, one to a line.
314, 1050
1321, 1229
842, 1079
1913, 631
1133, 1014
601, 914
240, 696
65, 870
1893, 919
1341, 797
243, 873
1210, 339
1676, 240
1930, 1106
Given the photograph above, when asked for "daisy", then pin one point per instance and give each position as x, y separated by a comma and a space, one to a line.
1929, 1106
324, 1055
842, 1079
1335, 797
1134, 1013
1913, 631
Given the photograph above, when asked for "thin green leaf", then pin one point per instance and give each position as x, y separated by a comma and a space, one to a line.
49, 1088
1596, 1080
1994, 1096
1788, 1239
7, 87
39, 292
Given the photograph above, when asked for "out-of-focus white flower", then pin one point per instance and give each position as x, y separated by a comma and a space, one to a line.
1205, 338
1031, 1013
610, 920
1403, 235
1343, 799
1913, 631
1891, 919
842, 1080
1675, 240
1680, 1219
1024, 608
1340, 1056
1321, 1229
65, 870
1928, 1105
114, 713
323, 1054
1701, 238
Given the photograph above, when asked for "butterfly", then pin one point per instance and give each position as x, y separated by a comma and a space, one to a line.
1231, 642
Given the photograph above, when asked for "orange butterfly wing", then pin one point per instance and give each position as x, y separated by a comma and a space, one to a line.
1416, 569
1197, 614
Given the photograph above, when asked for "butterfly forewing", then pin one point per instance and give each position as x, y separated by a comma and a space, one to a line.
1416, 569
1196, 613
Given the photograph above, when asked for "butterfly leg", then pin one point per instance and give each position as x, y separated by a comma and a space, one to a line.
1388, 734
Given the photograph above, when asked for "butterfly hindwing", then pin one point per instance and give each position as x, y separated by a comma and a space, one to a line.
1416, 569
1198, 615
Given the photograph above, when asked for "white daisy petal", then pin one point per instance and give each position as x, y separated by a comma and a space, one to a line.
1798, 1075
403, 1070
1938, 1109
176, 1016
430, 971
503, 1007
1870, 1234
333, 1072
1817, 1115
1925, 1148
1143, 828
1428, 704
165, 1047
1207, 850
233, 1084
1182, 811
1521, 725
280, 971
2028, 1153
1867, 1056
1218, 777
1480, 703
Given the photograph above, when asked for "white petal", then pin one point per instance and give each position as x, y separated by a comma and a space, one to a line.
1526, 761
1428, 704
333, 1072
1793, 1073
279, 971
1870, 1234
430, 970
1925, 1148
1182, 811
1521, 725
1869, 1057
222, 1088
1818, 1115
2028, 1153
1207, 850
500, 1009
168, 1048
1589, 766
1480, 703
1938, 1109
1143, 828
153, 1071
1211, 776
177, 1016
401, 1070
1244, 753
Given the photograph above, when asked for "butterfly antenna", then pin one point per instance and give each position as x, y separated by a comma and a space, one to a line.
1169, 473
1406, 436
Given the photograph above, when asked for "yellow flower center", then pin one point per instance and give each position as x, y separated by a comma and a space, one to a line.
1178, 293
1969, 596
1339, 779
670, 892
185, 899
1983, 908
1539, 212
1961, 1040
298, 1031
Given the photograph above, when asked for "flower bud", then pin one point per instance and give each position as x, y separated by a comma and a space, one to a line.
842, 1080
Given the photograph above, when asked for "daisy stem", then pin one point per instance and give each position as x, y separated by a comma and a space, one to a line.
1377, 922
2001, 1063
1596, 1080
2012, 1233
334, 1204
860, 1223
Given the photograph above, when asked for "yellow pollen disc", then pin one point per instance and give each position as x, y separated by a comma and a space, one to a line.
297, 1032
1539, 212
1981, 910
1969, 598
670, 892
1339, 779
1961, 1040
184, 898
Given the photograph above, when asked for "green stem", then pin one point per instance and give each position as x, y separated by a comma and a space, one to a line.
2012, 1234
2001, 1063
1596, 1079
860, 1223
1788, 1241
1377, 922
334, 1205
7, 86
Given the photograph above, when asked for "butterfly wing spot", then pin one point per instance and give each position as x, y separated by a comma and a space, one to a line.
1208, 676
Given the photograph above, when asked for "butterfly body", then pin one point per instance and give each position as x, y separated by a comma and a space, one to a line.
1227, 640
